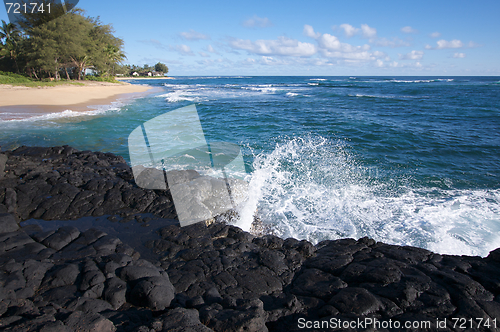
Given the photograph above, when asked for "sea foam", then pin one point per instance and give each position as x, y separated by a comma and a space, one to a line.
58, 116
313, 188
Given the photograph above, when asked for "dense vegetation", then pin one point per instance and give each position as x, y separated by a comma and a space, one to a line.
66, 47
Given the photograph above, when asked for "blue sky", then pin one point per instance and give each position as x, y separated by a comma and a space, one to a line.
307, 37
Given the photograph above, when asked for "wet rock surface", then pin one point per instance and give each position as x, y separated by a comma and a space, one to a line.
207, 278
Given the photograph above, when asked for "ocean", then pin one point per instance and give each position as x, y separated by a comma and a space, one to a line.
403, 160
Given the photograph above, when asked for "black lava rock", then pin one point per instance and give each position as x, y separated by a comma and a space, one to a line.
207, 278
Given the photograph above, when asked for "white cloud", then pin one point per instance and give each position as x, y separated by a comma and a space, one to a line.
367, 31
194, 35
329, 46
413, 55
455, 43
182, 49
349, 30
257, 22
281, 46
444, 44
248, 62
332, 43
355, 56
459, 55
379, 54
395, 64
408, 29
203, 54
269, 61
309, 32
384, 42
210, 49
435, 34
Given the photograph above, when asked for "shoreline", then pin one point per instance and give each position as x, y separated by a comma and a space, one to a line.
19, 102
145, 78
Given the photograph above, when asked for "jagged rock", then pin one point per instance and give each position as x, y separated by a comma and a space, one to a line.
133, 273
56, 326
114, 292
180, 320
61, 295
62, 237
316, 283
155, 293
354, 300
249, 316
3, 160
81, 321
62, 276
494, 255
88, 305
212, 296
8, 223
10, 200
91, 278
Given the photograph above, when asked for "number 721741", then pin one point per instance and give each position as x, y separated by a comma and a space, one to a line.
27, 8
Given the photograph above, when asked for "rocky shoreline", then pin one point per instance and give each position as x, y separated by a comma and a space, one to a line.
206, 278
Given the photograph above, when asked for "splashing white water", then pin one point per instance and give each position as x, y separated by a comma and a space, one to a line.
27, 116
315, 189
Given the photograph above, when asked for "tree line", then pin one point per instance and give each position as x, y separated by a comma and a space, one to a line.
129, 70
41, 46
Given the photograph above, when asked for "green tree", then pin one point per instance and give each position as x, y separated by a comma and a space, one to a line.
146, 68
114, 56
106, 50
162, 68
58, 43
11, 40
31, 20
73, 43
61, 43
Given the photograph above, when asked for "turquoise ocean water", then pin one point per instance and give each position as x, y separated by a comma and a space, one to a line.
404, 160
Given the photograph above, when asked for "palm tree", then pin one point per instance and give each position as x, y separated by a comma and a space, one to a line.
11, 36
115, 55
8, 31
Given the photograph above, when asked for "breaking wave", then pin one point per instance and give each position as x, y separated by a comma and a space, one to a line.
314, 189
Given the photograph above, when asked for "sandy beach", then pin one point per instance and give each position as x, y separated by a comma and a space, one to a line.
64, 95
20, 102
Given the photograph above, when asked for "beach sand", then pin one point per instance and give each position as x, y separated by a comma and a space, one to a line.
17, 102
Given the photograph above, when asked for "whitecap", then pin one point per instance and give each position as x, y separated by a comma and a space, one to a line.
314, 189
